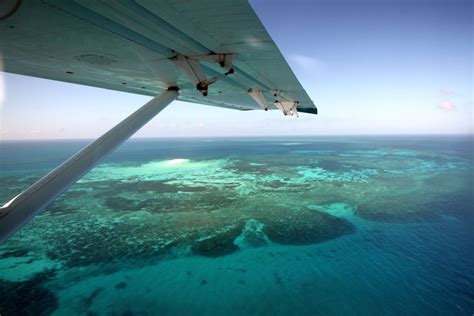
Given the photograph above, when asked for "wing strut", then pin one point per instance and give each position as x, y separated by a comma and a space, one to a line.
22, 208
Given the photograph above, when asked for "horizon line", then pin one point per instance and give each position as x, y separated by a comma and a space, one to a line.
244, 136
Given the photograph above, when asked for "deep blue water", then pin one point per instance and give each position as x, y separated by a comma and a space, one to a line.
243, 226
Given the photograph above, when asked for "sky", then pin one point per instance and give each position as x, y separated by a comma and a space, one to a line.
371, 67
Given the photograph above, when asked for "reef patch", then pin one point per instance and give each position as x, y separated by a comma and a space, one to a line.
16, 298
220, 244
305, 226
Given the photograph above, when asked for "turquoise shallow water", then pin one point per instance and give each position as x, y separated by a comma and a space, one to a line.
268, 226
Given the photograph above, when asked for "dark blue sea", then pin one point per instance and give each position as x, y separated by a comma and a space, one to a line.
247, 226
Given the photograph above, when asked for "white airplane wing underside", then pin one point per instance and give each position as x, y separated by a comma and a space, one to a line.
216, 51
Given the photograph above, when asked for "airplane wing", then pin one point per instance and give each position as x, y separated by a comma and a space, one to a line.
216, 51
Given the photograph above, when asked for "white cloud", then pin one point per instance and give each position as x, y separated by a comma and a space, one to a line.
447, 105
447, 92
3, 90
305, 62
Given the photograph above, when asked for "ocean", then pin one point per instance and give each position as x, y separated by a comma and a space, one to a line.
367, 225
